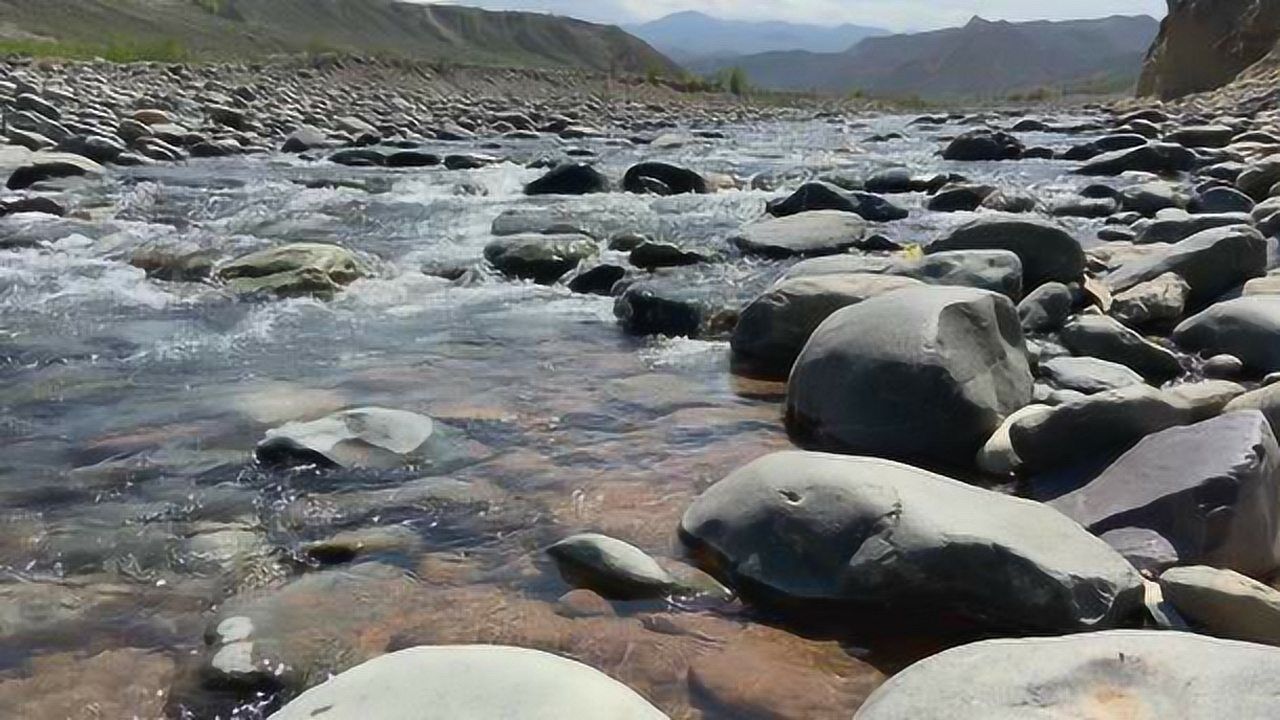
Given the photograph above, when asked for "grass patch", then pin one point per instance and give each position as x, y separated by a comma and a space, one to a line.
115, 50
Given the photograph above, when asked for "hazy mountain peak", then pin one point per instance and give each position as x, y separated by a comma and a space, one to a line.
693, 35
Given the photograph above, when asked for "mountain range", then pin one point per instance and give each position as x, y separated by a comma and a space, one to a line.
249, 28
692, 36
981, 59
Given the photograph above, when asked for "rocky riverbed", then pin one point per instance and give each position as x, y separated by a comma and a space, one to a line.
423, 379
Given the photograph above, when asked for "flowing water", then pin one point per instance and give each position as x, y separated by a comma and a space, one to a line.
130, 508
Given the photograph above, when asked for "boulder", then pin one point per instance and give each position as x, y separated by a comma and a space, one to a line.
1265, 399
370, 437
1046, 308
995, 270
984, 144
1211, 262
1148, 199
1257, 179
1098, 676
52, 166
1224, 603
1202, 136
1103, 337
1048, 252
812, 533
303, 139
824, 196
598, 280
807, 234
925, 374
963, 197
1158, 158
612, 568
470, 682
293, 270
1088, 375
540, 258
1157, 301
677, 180
1222, 200
1174, 226
997, 456
665, 306
571, 179
1211, 489
651, 255
1247, 327
774, 328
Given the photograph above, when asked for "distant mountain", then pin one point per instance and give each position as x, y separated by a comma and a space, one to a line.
692, 35
249, 28
981, 59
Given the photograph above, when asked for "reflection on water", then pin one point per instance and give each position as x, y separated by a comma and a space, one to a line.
132, 513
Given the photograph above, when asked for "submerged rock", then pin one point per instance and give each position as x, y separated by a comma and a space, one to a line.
614, 569
370, 437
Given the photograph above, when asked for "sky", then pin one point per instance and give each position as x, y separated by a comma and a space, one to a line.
900, 15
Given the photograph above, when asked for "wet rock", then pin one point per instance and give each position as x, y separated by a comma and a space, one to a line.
1048, 252
1088, 375
676, 180
1248, 328
806, 234
1212, 489
1097, 675
45, 205
810, 532
582, 604
995, 270
821, 196
471, 682
960, 198
370, 437
1211, 262
52, 166
1157, 301
469, 161
1103, 337
899, 376
359, 157
598, 280
891, 181
573, 179
540, 258
984, 144
293, 270
1224, 603
1158, 158
1046, 308
1175, 226
774, 327
652, 255
116, 683
667, 307
412, 158
614, 569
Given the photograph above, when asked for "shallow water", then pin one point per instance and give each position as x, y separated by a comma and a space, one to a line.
130, 407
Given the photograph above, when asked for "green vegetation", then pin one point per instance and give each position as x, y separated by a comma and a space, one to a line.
114, 50
737, 81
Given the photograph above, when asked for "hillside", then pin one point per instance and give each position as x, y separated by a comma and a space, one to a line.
981, 59
1204, 44
240, 28
694, 36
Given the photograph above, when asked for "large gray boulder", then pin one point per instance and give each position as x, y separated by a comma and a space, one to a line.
1212, 262
806, 234
1212, 489
812, 532
1121, 674
995, 270
52, 166
1048, 252
1224, 603
1103, 337
1265, 399
1173, 226
925, 374
1247, 327
1160, 300
774, 328
470, 682
1159, 158
1088, 375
